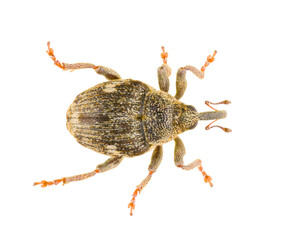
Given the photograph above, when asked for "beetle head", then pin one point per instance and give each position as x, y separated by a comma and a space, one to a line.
186, 116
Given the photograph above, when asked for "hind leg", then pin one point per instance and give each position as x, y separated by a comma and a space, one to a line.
108, 73
111, 163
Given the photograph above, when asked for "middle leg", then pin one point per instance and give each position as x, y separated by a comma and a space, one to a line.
156, 158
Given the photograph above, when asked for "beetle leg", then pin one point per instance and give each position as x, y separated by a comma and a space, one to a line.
107, 165
179, 153
181, 82
108, 73
156, 158
163, 73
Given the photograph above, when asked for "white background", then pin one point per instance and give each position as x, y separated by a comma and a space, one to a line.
257, 169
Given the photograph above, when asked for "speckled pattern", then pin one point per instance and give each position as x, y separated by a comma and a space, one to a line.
106, 118
166, 117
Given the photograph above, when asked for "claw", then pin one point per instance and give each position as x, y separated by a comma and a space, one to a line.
132, 207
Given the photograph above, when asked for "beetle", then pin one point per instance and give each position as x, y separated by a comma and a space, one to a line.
127, 118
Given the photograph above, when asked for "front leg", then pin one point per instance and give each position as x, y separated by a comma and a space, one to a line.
179, 153
181, 82
163, 73
108, 73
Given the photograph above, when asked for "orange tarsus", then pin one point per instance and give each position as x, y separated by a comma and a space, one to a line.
131, 205
207, 178
164, 55
50, 52
210, 59
44, 183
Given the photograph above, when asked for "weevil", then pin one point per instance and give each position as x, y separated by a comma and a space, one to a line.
126, 118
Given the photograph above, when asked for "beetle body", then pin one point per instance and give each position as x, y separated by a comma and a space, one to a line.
127, 117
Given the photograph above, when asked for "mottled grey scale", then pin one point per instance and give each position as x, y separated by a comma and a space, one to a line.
107, 118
